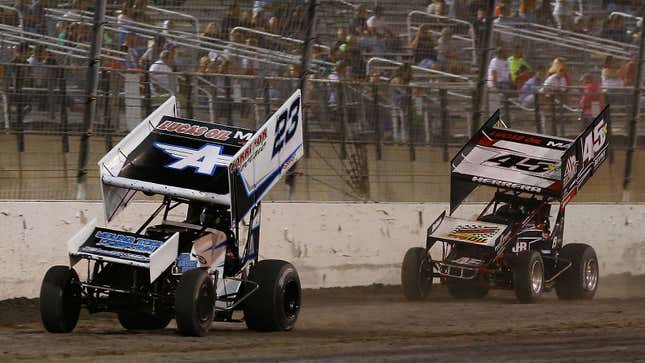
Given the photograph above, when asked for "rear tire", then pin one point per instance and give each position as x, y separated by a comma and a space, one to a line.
194, 303
528, 276
276, 304
60, 299
580, 281
467, 289
414, 276
142, 321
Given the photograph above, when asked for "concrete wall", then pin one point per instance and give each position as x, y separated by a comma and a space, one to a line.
331, 244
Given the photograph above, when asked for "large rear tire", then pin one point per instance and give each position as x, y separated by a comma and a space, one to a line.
415, 278
276, 304
194, 303
580, 281
467, 289
142, 321
528, 276
60, 299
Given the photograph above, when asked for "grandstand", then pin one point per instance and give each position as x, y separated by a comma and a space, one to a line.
377, 129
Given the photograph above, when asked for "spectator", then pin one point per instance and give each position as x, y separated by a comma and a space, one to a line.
211, 31
628, 71
231, 20
437, 7
35, 18
530, 87
458, 9
160, 73
592, 100
516, 61
562, 12
358, 23
340, 73
544, 14
612, 80
556, 82
478, 26
378, 24
371, 43
63, 32
401, 96
559, 66
153, 52
22, 7
523, 75
614, 29
423, 47
447, 52
355, 58
341, 35
19, 76
527, 10
498, 71
130, 45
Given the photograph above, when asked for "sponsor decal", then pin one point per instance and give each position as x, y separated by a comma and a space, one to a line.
468, 261
115, 254
518, 162
570, 169
204, 160
183, 264
503, 184
520, 246
594, 141
250, 152
183, 128
473, 233
529, 139
126, 243
284, 133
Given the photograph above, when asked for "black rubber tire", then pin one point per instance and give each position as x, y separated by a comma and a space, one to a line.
194, 303
522, 268
60, 299
571, 284
276, 304
416, 285
142, 321
467, 289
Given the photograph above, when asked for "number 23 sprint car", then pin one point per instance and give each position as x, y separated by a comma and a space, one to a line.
512, 244
196, 269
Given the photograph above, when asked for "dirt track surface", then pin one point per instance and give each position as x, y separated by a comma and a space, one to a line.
366, 325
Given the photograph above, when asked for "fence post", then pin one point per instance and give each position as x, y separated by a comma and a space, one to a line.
20, 105
377, 122
539, 126
62, 89
188, 90
554, 126
228, 87
147, 93
90, 103
343, 120
445, 126
561, 116
107, 108
267, 99
410, 122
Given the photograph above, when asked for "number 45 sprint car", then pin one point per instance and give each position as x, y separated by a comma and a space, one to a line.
194, 269
512, 244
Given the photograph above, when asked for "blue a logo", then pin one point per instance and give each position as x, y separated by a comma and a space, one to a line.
204, 160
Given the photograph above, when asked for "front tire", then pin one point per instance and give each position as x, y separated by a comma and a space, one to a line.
194, 303
528, 276
60, 299
142, 321
414, 275
276, 304
580, 281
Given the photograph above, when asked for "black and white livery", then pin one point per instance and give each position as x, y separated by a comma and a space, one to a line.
199, 263
514, 243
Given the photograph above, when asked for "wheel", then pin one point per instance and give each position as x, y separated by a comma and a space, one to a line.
142, 321
276, 303
528, 276
580, 281
414, 274
194, 303
467, 289
60, 299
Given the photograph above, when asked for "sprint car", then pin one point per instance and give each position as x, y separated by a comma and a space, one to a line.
199, 262
512, 243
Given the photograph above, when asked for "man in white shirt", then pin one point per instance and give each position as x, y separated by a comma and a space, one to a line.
159, 73
499, 80
377, 23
